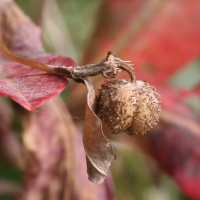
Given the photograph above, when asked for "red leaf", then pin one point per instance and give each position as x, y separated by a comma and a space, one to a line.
197, 89
174, 143
173, 100
27, 86
159, 37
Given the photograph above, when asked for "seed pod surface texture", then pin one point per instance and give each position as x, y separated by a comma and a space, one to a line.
129, 107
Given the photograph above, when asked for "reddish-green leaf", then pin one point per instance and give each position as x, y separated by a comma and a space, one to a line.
30, 87
159, 37
173, 100
174, 143
27, 86
197, 89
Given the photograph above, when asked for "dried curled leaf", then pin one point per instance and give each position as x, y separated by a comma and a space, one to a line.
99, 151
55, 165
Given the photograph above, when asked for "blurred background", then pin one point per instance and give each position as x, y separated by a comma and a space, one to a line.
162, 39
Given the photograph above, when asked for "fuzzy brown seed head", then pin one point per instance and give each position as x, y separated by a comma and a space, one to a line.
129, 107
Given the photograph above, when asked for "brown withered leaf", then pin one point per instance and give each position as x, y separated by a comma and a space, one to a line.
99, 151
56, 168
83, 188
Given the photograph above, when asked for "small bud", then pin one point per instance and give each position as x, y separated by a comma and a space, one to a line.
129, 107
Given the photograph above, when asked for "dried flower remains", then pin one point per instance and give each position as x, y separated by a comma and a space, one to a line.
131, 107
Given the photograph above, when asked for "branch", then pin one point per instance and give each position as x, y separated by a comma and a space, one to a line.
108, 67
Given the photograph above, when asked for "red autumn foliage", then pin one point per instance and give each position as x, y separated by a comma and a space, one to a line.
27, 86
160, 37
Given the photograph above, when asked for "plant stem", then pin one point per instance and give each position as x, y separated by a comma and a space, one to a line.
71, 72
4, 50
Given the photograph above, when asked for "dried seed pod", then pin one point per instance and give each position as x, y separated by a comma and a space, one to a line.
131, 107
118, 104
